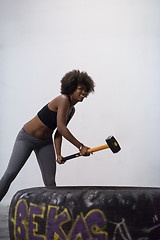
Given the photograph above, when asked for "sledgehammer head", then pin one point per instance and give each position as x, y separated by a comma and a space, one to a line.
113, 144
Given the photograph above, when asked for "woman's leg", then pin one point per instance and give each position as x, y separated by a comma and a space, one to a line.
47, 162
21, 152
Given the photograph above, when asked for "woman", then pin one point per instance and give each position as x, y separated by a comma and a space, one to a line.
37, 133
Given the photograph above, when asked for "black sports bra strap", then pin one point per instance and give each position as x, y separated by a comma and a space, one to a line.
69, 99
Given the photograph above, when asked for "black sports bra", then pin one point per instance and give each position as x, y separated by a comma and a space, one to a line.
48, 117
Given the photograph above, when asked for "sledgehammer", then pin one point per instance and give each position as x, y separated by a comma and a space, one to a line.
111, 143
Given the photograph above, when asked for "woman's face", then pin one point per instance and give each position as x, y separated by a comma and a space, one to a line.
80, 93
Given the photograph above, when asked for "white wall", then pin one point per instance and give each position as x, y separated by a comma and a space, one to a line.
118, 43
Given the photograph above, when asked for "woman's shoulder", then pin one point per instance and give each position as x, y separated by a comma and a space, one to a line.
59, 100
61, 97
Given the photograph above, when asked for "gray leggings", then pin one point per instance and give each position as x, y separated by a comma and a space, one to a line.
23, 147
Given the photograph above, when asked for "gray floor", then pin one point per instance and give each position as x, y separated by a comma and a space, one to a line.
4, 232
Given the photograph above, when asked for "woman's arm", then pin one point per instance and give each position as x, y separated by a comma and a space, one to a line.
63, 107
58, 143
58, 139
62, 112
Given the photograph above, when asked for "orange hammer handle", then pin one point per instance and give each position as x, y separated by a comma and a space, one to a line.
98, 148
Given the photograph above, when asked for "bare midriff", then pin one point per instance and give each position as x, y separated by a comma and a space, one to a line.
37, 129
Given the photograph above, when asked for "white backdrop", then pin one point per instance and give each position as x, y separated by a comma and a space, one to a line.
117, 42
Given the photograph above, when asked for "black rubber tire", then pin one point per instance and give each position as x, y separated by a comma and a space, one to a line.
85, 213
